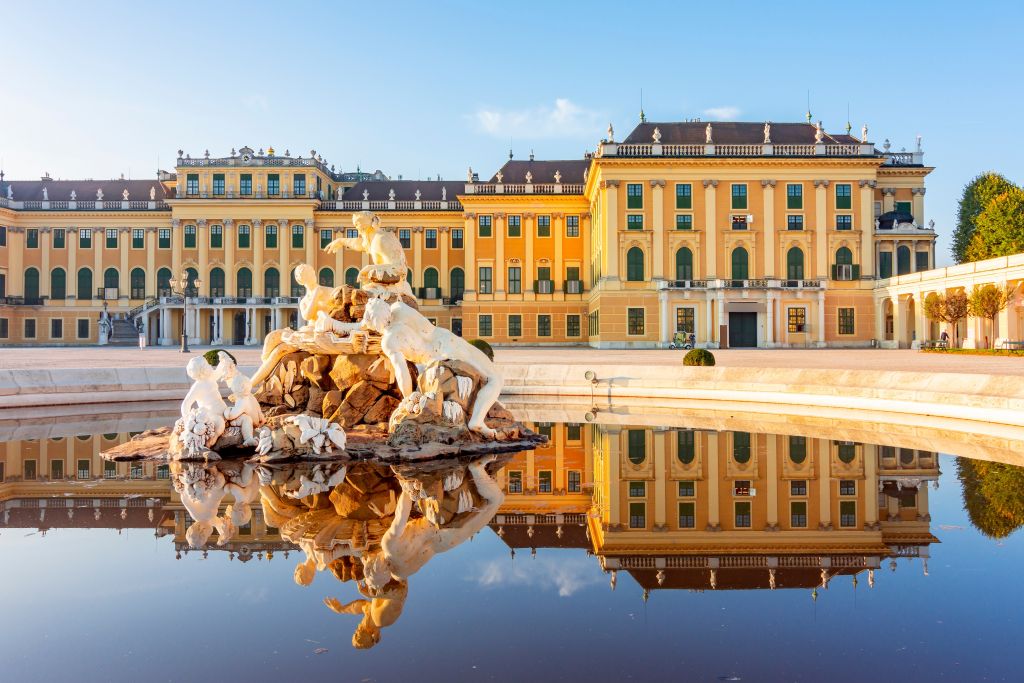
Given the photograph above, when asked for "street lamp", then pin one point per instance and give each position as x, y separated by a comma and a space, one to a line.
181, 286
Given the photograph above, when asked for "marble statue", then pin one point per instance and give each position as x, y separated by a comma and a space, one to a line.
499, 176
529, 177
74, 195
819, 134
46, 195
707, 135
611, 133
444, 193
391, 195
408, 336
767, 132
418, 195
388, 269
152, 194
202, 412
379, 610
99, 195
864, 133
202, 489
124, 194
469, 174
558, 176
366, 195
318, 299
656, 136
245, 413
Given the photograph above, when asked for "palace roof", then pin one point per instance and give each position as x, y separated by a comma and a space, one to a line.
60, 190
542, 172
405, 190
732, 133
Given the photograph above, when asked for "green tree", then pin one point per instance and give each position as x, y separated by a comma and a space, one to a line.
975, 199
991, 494
986, 301
999, 229
947, 308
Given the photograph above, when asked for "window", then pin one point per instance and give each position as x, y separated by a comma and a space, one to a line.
739, 196
192, 184
243, 280
741, 447
83, 328
687, 515
634, 196
29, 470
457, 241
405, 238
109, 470
686, 321
515, 325
544, 481
847, 487
636, 446
273, 184
217, 282
797, 449
543, 284
84, 284
56, 328
637, 515
59, 238
921, 261
797, 319
572, 325
270, 237
846, 451
137, 283
572, 226
687, 488
684, 196
58, 283
3, 235
844, 222
844, 196
483, 226
798, 514
515, 482
271, 283
545, 429
635, 321
30, 328
885, 264
798, 487
543, 226
903, 207
298, 236
515, 226
795, 264
163, 238
484, 325
515, 280
739, 264
430, 238
684, 264
245, 184
31, 283
543, 325
846, 321
32, 238
486, 279
190, 237
794, 222
326, 237
352, 277
594, 323
684, 221
138, 238
299, 184
794, 196
574, 481
85, 238
908, 498
111, 241
637, 489
635, 221
216, 237
84, 469
847, 513
218, 183
572, 274
686, 446
635, 265
457, 282
742, 514
244, 237
163, 471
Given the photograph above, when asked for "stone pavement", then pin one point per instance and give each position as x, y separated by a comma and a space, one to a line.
823, 359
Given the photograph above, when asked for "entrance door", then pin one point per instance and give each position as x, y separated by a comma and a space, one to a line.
742, 330
238, 329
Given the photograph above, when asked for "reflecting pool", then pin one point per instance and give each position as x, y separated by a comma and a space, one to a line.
680, 546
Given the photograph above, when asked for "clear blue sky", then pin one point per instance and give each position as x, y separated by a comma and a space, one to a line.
419, 89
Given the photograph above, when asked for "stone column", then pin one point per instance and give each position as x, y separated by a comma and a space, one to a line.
714, 521
821, 259
310, 239
821, 318
165, 327
870, 484
444, 244
710, 230
284, 244
150, 236
177, 247
258, 240
610, 196
529, 261
660, 516
772, 476
45, 244
499, 253
98, 247
665, 317
558, 267
339, 263
124, 290
16, 263
769, 327
203, 242
918, 194
417, 256
720, 318
888, 199
230, 279
586, 226
559, 475
658, 225
769, 228
470, 235
709, 319
613, 436
824, 484
920, 321
868, 259
249, 326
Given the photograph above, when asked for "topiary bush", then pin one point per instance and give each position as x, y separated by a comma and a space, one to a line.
213, 359
483, 346
698, 357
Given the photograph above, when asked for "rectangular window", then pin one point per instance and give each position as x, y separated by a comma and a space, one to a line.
84, 469
218, 183
245, 184
741, 487
544, 481
847, 513
636, 445
85, 238
844, 196
138, 238
83, 328
430, 238
164, 472
405, 238
164, 238
56, 328
544, 325
515, 280
59, 238
575, 481
484, 325
742, 515
739, 222
687, 515
684, 221
111, 242
739, 196
686, 320
457, 241
637, 489
299, 184
244, 237
797, 487
515, 482
573, 431
32, 238
686, 446
3, 235
543, 226
30, 328
847, 487
844, 222
920, 261
684, 196
190, 237
192, 184
273, 184
216, 237
637, 515
270, 237
485, 279
794, 196
326, 237
846, 318
29, 470
798, 514
572, 275
903, 207
109, 469
794, 222
298, 236
515, 226
572, 226
635, 321
483, 226
687, 489
5, 328
797, 449
635, 221
572, 325
634, 196
885, 264
515, 325
797, 319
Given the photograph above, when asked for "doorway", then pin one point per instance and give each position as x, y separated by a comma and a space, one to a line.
238, 329
742, 330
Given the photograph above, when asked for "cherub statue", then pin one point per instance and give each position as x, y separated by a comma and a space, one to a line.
202, 488
379, 609
245, 413
202, 412
389, 267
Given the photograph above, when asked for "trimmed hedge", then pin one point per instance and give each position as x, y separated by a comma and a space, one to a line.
213, 359
483, 346
698, 357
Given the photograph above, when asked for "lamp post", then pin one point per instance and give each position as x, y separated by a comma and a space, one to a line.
181, 286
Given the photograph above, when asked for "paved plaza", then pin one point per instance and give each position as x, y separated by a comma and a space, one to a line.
839, 359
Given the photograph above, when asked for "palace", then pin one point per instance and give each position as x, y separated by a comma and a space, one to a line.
744, 234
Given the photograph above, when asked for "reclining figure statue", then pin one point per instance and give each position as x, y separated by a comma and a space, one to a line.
389, 269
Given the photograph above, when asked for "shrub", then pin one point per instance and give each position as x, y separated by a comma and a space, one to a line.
213, 359
698, 357
483, 346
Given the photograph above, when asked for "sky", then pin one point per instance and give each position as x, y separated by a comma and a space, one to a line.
94, 90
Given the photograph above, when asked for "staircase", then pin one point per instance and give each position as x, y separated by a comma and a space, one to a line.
123, 333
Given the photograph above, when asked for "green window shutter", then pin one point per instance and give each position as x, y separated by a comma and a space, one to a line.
835, 271
856, 272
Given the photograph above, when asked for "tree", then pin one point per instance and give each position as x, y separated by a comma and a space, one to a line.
999, 229
947, 308
975, 199
986, 301
991, 494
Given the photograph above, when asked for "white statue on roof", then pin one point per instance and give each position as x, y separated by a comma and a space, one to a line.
74, 195
864, 133
707, 135
46, 195
444, 193
656, 136
366, 195
611, 133
499, 175
767, 132
819, 134
417, 195
391, 195
99, 194
124, 194
558, 176
529, 177
152, 194
469, 174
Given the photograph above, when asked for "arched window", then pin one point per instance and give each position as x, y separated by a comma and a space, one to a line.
31, 283
217, 282
112, 280
137, 280
192, 275
271, 282
797, 449
351, 277
297, 290
636, 446
457, 282
326, 277
903, 260
243, 280
84, 283
846, 451
684, 264
430, 278
844, 257
163, 282
740, 269
741, 447
635, 264
795, 264
58, 283
685, 446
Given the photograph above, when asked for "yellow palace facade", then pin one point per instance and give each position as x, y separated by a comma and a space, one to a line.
743, 234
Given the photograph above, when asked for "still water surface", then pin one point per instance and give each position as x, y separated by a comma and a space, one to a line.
618, 552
